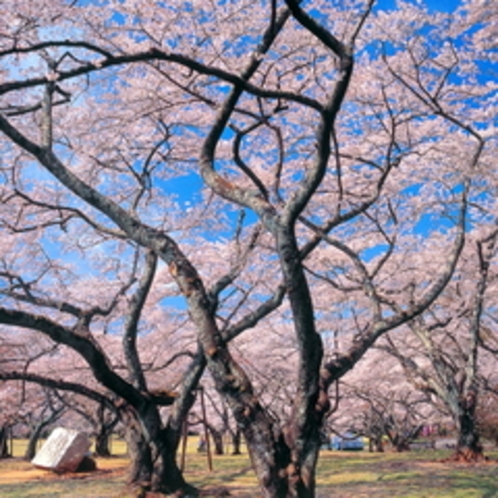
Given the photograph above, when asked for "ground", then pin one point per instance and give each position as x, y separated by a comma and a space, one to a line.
340, 474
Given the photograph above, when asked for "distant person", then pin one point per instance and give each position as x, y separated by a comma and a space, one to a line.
201, 448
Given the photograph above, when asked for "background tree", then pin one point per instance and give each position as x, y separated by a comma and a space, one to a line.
487, 415
39, 420
400, 419
140, 412
443, 358
378, 402
102, 421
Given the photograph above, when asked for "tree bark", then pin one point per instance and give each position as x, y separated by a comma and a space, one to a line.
236, 442
34, 437
102, 447
153, 464
217, 440
103, 433
468, 448
4, 442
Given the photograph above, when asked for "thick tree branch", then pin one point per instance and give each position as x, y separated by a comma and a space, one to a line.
60, 385
136, 306
82, 345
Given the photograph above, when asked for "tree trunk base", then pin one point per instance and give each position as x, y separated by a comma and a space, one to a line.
219, 492
467, 455
144, 491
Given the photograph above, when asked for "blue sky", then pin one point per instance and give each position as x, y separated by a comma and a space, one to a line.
436, 5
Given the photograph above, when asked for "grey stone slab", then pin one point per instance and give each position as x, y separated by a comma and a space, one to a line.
62, 451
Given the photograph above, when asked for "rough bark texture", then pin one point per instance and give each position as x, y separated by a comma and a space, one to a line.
468, 447
153, 465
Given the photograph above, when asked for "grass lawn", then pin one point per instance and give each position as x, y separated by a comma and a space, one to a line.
340, 475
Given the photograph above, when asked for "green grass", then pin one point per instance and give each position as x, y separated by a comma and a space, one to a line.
340, 474
405, 475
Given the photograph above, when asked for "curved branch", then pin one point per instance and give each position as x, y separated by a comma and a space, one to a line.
155, 54
131, 327
215, 181
314, 174
324, 35
337, 367
84, 346
60, 385
251, 319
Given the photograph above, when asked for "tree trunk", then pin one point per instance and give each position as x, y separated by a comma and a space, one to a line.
468, 447
4, 442
104, 430
401, 445
153, 464
102, 447
140, 470
398, 441
302, 480
217, 440
236, 442
376, 444
281, 470
34, 437
284, 460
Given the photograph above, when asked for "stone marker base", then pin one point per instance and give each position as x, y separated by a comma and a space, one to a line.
88, 464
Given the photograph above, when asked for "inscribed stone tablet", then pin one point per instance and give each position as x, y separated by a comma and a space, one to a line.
62, 451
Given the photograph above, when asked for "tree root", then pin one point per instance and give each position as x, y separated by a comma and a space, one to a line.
186, 492
467, 455
144, 491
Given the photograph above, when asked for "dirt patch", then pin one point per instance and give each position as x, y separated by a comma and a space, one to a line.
19, 471
21, 475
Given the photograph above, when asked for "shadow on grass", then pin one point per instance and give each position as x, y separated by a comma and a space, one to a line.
358, 475
414, 474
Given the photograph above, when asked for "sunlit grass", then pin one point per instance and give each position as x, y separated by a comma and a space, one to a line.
339, 474
404, 475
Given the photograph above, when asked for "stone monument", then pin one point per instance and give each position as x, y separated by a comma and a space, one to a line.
63, 451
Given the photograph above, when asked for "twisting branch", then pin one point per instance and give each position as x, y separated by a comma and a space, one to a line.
156, 54
336, 367
61, 385
366, 279
79, 342
242, 257
214, 180
136, 306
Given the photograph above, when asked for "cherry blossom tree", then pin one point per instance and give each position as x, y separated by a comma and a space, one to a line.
339, 131
445, 359
486, 416
378, 402
39, 420
399, 415
20, 401
7, 420
139, 413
